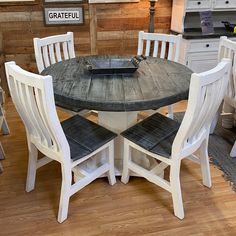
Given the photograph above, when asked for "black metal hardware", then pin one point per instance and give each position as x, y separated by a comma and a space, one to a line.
230, 27
140, 58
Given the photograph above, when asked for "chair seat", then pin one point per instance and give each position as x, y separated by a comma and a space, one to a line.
85, 136
155, 134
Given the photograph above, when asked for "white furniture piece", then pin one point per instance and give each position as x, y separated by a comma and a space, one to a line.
71, 143
164, 46
52, 49
180, 8
199, 52
227, 49
3, 125
159, 137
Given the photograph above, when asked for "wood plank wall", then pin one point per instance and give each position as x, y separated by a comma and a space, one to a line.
108, 29
118, 24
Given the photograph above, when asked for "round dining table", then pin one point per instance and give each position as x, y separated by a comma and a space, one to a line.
118, 97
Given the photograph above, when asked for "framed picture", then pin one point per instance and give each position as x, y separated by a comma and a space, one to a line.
18, 2
63, 16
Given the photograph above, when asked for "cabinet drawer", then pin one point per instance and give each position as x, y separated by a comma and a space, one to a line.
224, 4
198, 4
200, 62
203, 46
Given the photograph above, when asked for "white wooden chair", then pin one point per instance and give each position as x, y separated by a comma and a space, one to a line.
164, 46
70, 143
163, 139
227, 49
53, 49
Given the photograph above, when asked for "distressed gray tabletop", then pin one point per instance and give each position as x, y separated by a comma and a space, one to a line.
154, 84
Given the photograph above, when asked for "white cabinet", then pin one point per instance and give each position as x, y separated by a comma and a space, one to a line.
199, 52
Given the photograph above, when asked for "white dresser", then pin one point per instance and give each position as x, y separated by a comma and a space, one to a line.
198, 51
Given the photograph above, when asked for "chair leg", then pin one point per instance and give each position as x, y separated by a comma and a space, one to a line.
1, 168
233, 150
5, 128
32, 167
2, 153
65, 193
127, 157
170, 113
176, 189
3, 124
111, 172
205, 166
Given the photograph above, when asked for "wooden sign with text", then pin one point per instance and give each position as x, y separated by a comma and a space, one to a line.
63, 16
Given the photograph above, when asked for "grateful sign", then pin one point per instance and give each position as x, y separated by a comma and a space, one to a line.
63, 16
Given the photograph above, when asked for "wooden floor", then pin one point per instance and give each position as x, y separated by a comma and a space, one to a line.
139, 208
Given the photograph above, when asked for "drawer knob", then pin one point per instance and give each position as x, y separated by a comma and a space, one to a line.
226, 2
199, 3
207, 45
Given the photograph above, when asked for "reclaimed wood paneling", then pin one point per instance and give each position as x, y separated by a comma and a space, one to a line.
108, 29
93, 28
118, 25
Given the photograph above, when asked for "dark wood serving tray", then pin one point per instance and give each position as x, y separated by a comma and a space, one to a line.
112, 66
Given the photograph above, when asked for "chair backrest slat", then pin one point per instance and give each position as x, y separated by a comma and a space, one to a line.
34, 100
206, 93
163, 50
170, 51
53, 49
58, 52
155, 49
45, 56
52, 53
169, 45
147, 51
65, 50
